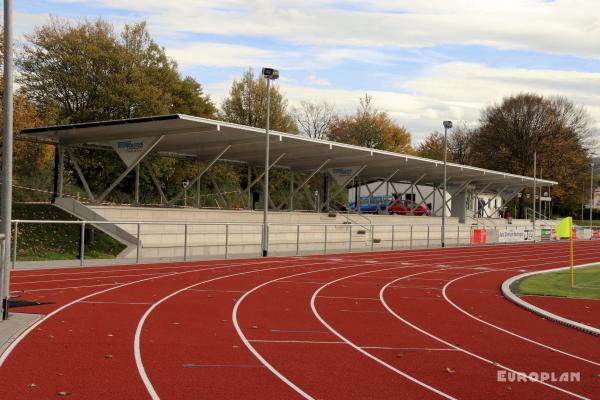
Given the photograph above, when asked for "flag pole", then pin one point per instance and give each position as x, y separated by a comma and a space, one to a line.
571, 251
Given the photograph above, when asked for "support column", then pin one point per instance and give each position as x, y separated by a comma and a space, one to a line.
248, 183
137, 185
291, 202
199, 187
61, 170
458, 207
326, 191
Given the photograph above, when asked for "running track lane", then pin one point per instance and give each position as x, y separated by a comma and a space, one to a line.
284, 336
87, 348
366, 258
434, 358
585, 311
487, 342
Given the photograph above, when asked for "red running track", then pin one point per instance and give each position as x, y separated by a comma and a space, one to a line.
392, 325
586, 311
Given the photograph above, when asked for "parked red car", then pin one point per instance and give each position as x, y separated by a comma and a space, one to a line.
407, 207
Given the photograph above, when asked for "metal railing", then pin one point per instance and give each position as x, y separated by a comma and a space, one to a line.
200, 240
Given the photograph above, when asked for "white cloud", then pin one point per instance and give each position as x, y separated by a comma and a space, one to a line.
561, 26
312, 78
219, 55
456, 91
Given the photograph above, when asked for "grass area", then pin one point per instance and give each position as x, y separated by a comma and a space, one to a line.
587, 284
38, 242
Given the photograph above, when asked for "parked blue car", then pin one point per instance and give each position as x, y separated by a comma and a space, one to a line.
372, 205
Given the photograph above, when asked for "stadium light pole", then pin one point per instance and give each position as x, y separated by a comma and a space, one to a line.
269, 74
591, 191
447, 125
7, 155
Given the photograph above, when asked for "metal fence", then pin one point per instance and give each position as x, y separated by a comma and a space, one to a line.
151, 240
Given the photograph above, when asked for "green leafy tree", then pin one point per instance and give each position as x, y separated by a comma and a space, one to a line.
87, 72
432, 147
247, 105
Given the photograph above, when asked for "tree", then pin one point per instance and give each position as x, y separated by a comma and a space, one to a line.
459, 143
87, 72
247, 105
30, 159
558, 130
371, 128
315, 119
433, 147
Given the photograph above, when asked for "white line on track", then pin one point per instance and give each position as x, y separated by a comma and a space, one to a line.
138, 331
111, 302
83, 279
293, 341
249, 345
58, 289
350, 298
7, 352
360, 349
386, 259
315, 295
485, 360
445, 294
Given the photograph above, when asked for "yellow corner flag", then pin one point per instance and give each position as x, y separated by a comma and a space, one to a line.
564, 229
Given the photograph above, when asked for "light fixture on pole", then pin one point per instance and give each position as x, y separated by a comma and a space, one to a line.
269, 74
447, 125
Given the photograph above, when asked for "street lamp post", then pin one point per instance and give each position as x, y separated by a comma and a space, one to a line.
591, 192
7, 157
269, 74
447, 125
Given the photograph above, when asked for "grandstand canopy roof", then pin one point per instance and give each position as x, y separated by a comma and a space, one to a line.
205, 138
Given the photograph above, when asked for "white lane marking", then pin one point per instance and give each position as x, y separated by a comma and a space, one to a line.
445, 294
138, 331
26, 332
217, 290
249, 345
293, 341
360, 349
83, 279
58, 289
349, 298
407, 348
112, 302
485, 360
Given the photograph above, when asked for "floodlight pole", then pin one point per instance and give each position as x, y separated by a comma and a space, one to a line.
269, 74
591, 191
447, 125
534, 189
7, 156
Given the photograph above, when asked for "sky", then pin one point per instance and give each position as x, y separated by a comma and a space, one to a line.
421, 61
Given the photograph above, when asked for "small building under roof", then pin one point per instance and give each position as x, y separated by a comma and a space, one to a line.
210, 141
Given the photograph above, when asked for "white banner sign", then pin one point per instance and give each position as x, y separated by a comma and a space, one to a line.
130, 149
508, 236
342, 174
596, 203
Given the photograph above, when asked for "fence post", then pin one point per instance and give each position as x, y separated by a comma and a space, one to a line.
82, 244
350, 238
185, 235
298, 240
372, 236
139, 242
15, 239
457, 235
226, 241
427, 236
325, 242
